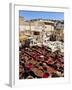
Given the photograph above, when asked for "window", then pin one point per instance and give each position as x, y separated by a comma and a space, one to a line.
36, 33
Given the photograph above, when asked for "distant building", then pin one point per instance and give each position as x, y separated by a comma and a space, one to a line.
21, 24
59, 30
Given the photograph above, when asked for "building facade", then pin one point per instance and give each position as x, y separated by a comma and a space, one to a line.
39, 31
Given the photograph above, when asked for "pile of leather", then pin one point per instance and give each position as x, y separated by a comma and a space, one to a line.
40, 62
